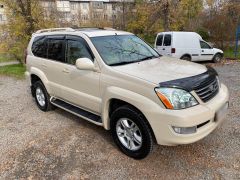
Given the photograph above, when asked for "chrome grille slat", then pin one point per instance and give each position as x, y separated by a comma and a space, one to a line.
207, 90
215, 81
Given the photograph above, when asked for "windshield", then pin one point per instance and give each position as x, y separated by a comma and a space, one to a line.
123, 49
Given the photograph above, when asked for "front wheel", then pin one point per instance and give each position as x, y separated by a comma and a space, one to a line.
131, 132
217, 58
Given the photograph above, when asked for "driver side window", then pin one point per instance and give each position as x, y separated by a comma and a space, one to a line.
204, 45
77, 49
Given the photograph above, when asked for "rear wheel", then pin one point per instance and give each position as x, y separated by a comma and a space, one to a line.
217, 58
41, 96
186, 58
131, 132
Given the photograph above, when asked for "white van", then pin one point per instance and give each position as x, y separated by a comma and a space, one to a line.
187, 46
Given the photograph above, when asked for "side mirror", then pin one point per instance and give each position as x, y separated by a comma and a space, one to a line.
84, 64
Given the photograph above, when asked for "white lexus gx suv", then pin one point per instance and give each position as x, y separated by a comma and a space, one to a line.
115, 80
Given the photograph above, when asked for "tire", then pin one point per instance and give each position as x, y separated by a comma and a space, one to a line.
186, 58
139, 147
42, 97
217, 58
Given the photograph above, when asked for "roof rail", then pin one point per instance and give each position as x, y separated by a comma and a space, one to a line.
108, 28
54, 29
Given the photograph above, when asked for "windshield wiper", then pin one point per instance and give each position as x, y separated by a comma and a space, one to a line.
129, 62
147, 58
122, 63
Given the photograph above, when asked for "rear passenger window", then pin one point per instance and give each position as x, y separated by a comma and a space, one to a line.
167, 40
39, 47
56, 49
159, 40
77, 49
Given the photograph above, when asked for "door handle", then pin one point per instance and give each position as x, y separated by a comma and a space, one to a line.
163, 49
66, 71
202, 50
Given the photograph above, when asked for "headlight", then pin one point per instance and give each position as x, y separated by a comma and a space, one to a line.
174, 98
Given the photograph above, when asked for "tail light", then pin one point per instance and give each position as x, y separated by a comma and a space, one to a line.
25, 56
173, 50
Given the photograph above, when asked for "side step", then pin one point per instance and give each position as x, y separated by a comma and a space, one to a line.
77, 111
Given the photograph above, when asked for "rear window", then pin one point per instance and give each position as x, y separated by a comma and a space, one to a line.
159, 40
39, 47
56, 49
167, 40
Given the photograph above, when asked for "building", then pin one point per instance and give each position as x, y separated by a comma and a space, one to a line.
2, 14
86, 11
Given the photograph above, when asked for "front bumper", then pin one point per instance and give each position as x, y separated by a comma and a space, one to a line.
162, 121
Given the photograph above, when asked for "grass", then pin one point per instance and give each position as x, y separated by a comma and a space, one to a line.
16, 70
229, 54
4, 57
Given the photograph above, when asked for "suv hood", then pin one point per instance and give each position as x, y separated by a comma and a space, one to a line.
161, 69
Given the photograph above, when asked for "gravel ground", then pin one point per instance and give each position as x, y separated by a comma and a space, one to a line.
58, 145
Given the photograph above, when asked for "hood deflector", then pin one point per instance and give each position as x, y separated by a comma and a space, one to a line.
190, 83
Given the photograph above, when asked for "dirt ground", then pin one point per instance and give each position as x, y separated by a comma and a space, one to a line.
58, 145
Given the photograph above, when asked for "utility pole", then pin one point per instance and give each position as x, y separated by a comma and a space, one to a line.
237, 38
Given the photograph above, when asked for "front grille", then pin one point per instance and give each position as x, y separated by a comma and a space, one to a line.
207, 89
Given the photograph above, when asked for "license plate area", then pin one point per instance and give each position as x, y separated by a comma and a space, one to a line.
221, 113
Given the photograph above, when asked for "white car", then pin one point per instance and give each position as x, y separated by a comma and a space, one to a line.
115, 80
187, 46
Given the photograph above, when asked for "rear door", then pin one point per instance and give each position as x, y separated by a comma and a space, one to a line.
207, 52
159, 43
55, 63
167, 45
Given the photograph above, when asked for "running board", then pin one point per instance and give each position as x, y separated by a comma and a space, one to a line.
77, 111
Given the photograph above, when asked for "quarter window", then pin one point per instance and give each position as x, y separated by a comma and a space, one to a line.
39, 47
56, 49
167, 40
159, 40
204, 45
77, 49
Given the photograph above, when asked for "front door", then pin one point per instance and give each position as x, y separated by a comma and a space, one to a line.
206, 51
81, 87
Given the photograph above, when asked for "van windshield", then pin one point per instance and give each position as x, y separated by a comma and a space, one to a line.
123, 49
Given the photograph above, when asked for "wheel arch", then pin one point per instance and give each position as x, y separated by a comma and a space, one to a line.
186, 54
36, 75
116, 97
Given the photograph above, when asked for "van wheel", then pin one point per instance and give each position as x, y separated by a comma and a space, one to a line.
217, 58
42, 97
186, 58
131, 133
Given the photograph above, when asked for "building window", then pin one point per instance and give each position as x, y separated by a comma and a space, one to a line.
1, 17
73, 6
1, 6
84, 5
85, 17
105, 5
98, 5
105, 16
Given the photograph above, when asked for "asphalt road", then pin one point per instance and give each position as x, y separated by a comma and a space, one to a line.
58, 145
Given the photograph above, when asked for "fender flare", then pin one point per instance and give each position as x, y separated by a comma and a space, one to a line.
42, 77
127, 96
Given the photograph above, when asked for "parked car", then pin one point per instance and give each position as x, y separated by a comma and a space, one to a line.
115, 80
187, 46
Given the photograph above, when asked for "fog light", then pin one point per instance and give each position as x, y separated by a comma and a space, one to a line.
185, 130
